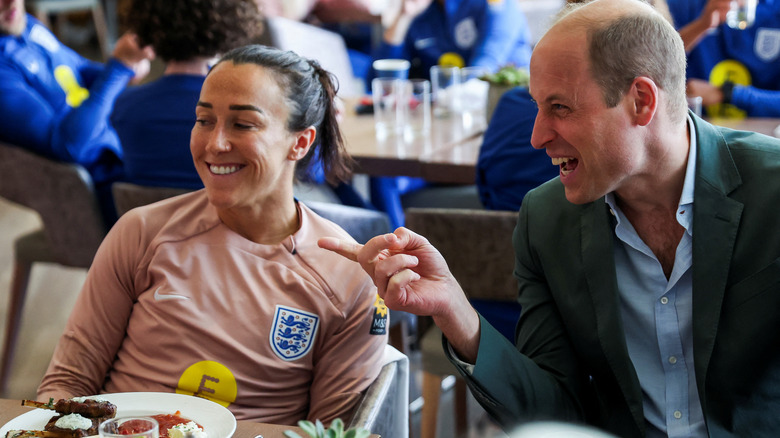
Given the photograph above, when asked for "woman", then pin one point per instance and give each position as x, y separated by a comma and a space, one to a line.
187, 35
223, 292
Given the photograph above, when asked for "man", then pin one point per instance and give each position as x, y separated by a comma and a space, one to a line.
648, 270
735, 71
57, 103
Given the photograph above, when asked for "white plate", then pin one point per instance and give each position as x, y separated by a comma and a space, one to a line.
217, 421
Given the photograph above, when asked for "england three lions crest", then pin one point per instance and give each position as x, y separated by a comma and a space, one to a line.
767, 45
292, 333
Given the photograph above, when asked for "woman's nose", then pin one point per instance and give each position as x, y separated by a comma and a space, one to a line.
218, 141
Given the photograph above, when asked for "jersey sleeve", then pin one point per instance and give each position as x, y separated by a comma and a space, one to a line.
30, 121
97, 325
350, 361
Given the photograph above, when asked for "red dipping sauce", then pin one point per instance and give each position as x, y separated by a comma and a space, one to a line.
166, 421
133, 426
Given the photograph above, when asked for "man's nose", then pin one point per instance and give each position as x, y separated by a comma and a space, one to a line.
542, 133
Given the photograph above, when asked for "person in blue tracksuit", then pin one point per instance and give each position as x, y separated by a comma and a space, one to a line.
154, 120
484, 33
479, 33
733, 66
508, 166
57, 103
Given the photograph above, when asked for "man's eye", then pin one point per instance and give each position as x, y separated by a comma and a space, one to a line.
243, 126
201, 122
558, 107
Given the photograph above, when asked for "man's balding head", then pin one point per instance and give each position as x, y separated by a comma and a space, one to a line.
625, 39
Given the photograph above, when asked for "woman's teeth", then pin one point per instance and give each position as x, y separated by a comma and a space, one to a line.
223, 170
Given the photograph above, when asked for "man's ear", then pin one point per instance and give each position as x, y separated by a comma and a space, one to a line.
303, 142
644, 94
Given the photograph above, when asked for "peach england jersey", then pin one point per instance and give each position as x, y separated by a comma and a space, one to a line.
176, 301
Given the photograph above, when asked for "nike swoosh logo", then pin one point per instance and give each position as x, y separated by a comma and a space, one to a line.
160, 297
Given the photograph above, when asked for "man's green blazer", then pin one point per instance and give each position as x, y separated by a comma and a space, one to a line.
571, 362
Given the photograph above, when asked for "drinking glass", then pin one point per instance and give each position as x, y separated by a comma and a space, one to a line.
742, 14
417, 96
444, 83
129, 427
390, 106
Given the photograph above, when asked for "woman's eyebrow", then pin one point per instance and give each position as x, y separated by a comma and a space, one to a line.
245, 108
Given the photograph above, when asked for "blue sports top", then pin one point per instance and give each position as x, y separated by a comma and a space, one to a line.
57, 103
755, 49
483, 33
508, 166
154, 122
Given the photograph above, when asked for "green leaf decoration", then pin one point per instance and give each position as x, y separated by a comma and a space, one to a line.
335, 430
508, 75
320, 429
308, 427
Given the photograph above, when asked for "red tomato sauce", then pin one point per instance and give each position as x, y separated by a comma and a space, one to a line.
166, 421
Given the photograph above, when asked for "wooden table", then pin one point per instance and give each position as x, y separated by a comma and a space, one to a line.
764, 126
447, 155
9, 409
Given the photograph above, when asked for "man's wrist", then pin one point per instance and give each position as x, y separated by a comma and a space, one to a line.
727, 89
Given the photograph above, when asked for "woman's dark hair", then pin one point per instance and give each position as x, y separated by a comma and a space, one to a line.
180, 30
310, 92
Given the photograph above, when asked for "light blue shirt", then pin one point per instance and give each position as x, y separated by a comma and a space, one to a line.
657, 316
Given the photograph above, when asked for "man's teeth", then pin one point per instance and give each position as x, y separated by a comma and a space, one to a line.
223, 170
557, 161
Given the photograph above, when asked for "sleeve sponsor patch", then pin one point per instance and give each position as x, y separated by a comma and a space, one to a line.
379, 317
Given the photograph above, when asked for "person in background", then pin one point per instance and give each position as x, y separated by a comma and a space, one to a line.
731, 69
154, 120
223, 292
460, 33
57, 103
647, 271
507, 165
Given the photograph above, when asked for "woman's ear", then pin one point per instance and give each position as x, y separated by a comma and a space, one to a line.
644, 92
303, 141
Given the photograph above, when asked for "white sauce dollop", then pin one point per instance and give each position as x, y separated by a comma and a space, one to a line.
73, 421
180, 430
91, 397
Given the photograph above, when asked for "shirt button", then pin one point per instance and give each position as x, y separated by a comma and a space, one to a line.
672, 360
664, 300
682, 211
677, 414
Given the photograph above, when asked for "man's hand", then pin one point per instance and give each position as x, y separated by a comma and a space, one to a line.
128, 52
714, 12
398, 16
710, 95
411, 275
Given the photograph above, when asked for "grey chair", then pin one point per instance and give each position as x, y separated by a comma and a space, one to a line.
64, 196
383, 407
477, 245
128, 196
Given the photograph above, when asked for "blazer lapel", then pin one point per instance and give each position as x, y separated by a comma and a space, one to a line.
599, 264
715, 223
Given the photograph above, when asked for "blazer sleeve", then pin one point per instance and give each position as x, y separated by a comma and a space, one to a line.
537, 379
